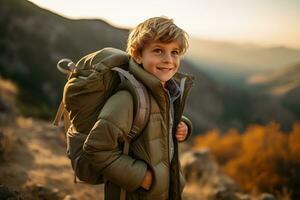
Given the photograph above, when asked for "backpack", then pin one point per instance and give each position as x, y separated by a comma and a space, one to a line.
91, 81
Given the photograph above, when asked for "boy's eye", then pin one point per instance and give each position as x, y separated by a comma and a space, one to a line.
176, 53
158, 51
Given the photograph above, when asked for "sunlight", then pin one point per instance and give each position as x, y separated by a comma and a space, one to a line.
268, 23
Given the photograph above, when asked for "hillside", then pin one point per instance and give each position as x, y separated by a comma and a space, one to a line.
35, 163
282, 83
277, 82
33, 40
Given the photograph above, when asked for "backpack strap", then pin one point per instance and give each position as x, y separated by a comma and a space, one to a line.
142, 104
125, 151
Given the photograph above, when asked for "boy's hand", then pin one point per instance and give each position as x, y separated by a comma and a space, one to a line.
147, 180
181, 131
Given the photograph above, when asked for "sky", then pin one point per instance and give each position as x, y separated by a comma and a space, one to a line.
263, 22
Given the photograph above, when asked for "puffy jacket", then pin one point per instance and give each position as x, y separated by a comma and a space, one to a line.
103, 147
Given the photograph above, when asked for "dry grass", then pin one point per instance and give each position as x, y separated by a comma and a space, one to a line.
8, 88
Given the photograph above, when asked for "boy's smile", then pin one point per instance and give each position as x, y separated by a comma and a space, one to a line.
160, 59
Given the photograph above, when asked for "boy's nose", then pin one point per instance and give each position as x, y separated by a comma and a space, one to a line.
167, 58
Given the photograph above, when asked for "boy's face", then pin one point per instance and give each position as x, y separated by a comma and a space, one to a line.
160, 59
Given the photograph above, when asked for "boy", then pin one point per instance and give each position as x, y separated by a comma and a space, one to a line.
151, 170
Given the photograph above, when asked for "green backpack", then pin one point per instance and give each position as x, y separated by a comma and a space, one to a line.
91, 82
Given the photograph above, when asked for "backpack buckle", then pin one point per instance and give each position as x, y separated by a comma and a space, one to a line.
133, 133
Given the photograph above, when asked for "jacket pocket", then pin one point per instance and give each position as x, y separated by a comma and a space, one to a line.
160, 181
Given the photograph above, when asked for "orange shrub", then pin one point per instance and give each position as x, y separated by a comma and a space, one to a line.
223, 147
294, 143
262, 158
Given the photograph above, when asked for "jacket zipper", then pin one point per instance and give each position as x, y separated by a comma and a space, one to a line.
168, 126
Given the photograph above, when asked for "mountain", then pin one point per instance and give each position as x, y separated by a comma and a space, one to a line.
230, 63
282, 83
279, 81
33, 40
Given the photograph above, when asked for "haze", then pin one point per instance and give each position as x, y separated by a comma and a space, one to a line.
267, 23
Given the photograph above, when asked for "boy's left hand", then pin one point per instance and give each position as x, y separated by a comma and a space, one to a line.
181, 131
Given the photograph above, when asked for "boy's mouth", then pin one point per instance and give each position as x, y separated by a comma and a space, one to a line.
164, 68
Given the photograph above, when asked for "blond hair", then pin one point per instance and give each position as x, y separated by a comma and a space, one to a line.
160, 29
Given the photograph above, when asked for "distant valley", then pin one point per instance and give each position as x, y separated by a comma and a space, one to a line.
229, 62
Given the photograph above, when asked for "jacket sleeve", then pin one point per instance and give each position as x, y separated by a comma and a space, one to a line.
189, 125
102, 148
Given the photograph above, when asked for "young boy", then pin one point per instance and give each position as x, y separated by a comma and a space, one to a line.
151, 170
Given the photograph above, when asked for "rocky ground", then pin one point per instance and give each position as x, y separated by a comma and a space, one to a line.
35, 165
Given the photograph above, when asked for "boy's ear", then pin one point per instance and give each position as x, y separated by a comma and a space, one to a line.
137, 58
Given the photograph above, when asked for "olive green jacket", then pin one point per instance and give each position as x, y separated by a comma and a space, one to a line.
103, 147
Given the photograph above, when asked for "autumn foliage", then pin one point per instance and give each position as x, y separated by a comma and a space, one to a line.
263, 158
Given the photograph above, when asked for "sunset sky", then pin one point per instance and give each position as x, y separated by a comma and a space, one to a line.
264, 22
